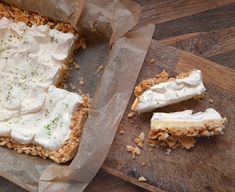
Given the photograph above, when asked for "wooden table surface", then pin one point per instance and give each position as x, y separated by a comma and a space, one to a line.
205, 28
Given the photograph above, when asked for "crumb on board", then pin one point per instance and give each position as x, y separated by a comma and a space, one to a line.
72, 86
142, 136
146, 163
140, 139
210, 100
187, 142
76, 66
142, 179
93, 27
122, 132
80, 92
168, 151
81, 81
131, 114
202, 96
152, 61
134, 150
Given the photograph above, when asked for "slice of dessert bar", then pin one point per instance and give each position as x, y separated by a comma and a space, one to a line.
183, 126
161, 90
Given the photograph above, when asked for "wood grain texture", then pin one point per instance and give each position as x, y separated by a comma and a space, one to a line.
205, 44
209, 166
122, 176
227, 59
218, 18
223, 2
209, 34
102, 182
164, 10
106, 182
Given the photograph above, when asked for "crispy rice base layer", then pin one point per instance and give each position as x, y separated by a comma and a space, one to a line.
176, 142
31, 18
209, 128
63, 154
185, 138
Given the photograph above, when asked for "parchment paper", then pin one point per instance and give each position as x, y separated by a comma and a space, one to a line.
61, 10
110, 89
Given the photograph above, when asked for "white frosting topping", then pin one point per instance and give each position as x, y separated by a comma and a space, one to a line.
187, 115
171, 92
33, 114
32, 109
37, 53
17, 96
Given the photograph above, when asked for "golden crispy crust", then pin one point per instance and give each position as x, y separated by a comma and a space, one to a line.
176, 142
185, 138
209, 128
173, 142
67, 151
146, 84
31, 18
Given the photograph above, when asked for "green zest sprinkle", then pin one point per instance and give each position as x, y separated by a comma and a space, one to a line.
52, 125
53, 39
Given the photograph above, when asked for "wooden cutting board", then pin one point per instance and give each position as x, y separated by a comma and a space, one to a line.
210, 165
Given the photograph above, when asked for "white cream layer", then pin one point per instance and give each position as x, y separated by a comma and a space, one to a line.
184, 119
32, 114
171, 92
36, 53
17, 96
32, 110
